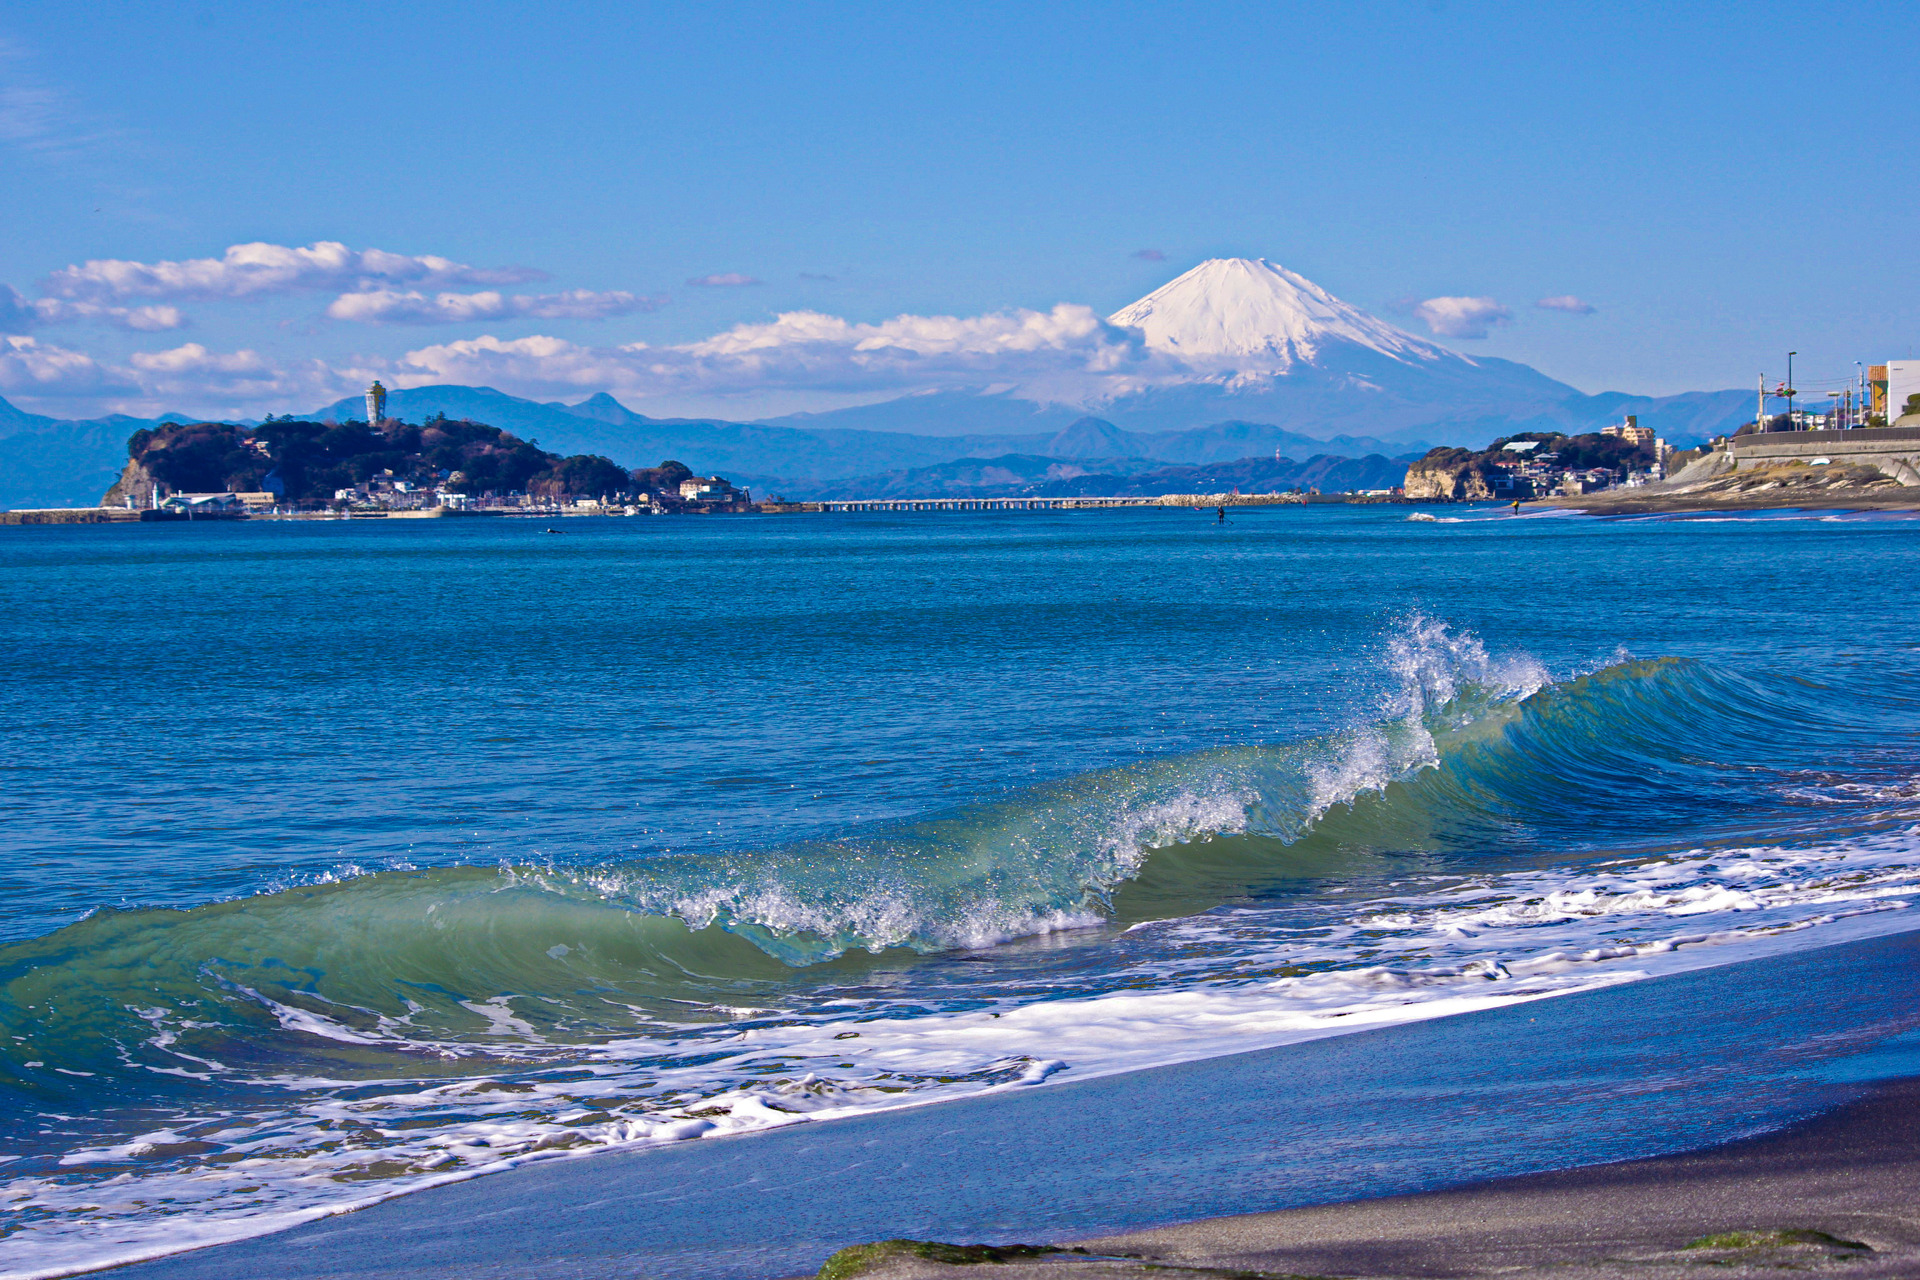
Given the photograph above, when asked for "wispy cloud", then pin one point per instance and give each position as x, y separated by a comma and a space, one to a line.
1566, 302
1150, 255
38, 117
248, 270
810, 275
1462, 317
391, 306
726, 280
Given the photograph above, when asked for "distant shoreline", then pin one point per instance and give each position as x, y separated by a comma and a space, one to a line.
1633, 502
1189, 501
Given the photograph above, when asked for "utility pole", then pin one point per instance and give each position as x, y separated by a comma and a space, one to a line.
1760, 406
1790, 356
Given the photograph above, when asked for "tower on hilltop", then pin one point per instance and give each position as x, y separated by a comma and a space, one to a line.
376, 403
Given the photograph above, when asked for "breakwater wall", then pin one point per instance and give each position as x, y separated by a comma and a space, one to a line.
1895, 450
82, 515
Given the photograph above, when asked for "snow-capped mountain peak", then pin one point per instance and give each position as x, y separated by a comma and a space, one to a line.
1257, 316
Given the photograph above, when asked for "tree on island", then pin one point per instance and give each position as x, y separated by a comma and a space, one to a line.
585, 473
314, 460
664, 478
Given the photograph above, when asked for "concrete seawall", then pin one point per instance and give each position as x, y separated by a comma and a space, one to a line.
1895, 450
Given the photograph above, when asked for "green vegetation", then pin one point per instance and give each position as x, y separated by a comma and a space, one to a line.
1776, 1240
857, 1260
307, 462
1578, 453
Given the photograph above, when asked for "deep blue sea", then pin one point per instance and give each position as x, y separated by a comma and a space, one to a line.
346, 858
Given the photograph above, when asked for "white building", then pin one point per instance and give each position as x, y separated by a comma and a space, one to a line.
1903, 380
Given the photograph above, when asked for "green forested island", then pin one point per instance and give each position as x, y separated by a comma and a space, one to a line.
316, 465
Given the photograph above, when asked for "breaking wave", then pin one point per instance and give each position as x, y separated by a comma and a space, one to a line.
1480, 832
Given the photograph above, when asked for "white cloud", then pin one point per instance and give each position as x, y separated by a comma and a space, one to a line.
18, 314
391, 306
729, 279
1069, 351
191, 374
1462, 317
1566, 302
32, 368
148, 319
248, 270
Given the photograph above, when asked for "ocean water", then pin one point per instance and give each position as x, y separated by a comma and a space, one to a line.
345, 859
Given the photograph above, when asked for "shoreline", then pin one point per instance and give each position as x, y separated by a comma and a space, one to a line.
1644, 1069
1839, 1191
1637, 502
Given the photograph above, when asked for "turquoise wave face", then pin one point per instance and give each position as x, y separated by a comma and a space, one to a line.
1478, 768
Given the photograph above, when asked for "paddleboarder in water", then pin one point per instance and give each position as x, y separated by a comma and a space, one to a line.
1222, 513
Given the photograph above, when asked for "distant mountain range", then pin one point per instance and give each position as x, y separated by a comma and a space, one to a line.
1025, 475
1253, 362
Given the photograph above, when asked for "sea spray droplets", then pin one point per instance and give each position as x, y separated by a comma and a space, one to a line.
1185, 818
1434, 667
1442, 679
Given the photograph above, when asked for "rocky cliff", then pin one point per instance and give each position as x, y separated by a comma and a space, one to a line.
1449, 475
135, 483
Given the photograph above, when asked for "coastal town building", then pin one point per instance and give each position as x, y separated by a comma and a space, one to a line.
206, 504
1630, 431
1903, 383
710, 489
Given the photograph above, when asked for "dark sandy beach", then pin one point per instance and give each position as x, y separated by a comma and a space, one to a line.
1838, 1193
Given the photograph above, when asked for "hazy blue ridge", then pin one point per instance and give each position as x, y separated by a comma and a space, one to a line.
1354, 410
61, 464
1025, 475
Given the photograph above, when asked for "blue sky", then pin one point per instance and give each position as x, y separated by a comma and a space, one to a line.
1719, 183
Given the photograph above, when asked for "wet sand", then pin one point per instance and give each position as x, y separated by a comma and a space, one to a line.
1852, 1175
1838, 1194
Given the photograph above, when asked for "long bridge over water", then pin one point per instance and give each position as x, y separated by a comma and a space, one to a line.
1054, 504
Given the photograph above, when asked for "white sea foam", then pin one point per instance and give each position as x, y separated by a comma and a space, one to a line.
1222, 982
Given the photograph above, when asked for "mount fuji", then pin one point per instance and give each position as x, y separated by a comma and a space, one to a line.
1249, 316
1246, 340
